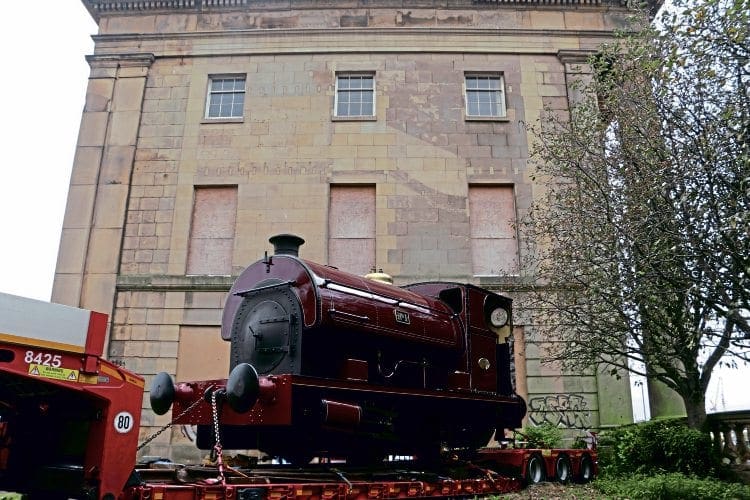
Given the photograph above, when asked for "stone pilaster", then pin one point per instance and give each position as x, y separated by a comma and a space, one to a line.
578, 73
90, 244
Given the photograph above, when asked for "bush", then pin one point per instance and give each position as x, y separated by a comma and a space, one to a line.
658, 446
669, 486
543, 436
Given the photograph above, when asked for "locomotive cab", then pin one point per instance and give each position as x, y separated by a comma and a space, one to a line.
487, 316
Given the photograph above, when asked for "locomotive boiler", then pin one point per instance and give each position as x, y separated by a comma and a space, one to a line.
326, 363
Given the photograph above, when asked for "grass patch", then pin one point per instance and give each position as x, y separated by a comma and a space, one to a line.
670, 486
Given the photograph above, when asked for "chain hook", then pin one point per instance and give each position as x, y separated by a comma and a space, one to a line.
217, 446
168, 425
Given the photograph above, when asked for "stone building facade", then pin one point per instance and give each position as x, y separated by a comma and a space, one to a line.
388, 134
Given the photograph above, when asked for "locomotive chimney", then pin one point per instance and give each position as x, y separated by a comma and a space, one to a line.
286, 244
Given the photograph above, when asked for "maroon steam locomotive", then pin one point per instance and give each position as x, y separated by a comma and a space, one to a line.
326, 363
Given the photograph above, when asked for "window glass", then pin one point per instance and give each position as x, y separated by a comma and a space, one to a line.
485, 96
226, 97
355, 95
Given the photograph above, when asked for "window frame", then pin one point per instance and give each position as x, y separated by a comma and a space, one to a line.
210, 92
337, 90
501, 102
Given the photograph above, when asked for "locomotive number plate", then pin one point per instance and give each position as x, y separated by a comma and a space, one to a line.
402, 317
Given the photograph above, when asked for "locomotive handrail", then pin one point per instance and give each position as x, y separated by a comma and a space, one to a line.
350, 315
332, 285
253, 291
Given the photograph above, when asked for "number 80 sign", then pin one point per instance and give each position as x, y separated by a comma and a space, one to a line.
123, 422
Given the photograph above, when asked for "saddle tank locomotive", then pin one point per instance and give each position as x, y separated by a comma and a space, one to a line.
326, 363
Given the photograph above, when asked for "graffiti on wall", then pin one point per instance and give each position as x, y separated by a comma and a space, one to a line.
561, 410
190, 432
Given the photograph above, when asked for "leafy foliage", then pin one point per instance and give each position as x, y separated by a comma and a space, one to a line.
657, 446
545, 435
640, 248
669, 486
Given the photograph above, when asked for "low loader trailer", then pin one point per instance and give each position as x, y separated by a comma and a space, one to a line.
70, 423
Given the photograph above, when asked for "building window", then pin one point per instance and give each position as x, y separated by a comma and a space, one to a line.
351, 228
485, 96
226, 97
492, 216
212, 231
355, 95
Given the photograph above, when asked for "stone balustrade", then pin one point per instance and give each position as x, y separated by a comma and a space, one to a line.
730, 431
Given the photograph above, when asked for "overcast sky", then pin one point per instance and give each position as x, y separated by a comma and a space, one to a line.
44, 89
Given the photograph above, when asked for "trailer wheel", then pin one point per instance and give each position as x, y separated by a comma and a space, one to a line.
563, 469
535, 470
586, 472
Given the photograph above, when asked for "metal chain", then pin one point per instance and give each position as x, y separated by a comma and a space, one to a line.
217, 446
156, 434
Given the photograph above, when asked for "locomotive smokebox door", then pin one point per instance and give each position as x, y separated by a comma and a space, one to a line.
267, 330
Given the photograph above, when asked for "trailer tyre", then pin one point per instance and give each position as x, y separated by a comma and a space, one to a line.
535, 470
563, 469
586, 472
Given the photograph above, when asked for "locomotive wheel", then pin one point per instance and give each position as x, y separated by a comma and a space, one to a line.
586, 471
535, 469
563, 469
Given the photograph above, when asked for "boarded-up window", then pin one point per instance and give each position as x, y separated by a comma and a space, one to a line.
202, 354
212, 231
494, 247
351, 225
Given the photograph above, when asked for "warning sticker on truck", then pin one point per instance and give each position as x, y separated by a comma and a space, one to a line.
53, 372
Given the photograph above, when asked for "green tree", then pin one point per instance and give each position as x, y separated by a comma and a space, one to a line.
641, 247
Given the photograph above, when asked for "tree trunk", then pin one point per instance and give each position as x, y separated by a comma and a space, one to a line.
695, 407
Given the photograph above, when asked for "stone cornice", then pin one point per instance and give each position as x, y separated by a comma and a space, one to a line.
176, 283
574, 56
156, 283
166, 283
120, 60
347, 41
285, 32
97, 8
348, 32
